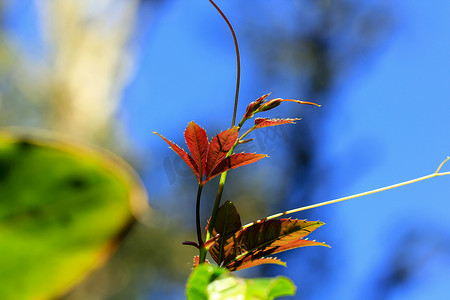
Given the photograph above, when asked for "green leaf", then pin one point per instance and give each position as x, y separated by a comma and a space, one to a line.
227, 287
200, 278
270, 288
64, 207
209, 282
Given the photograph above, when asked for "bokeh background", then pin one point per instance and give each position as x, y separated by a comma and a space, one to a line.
110, 72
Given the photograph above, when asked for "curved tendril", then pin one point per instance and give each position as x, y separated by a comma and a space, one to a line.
435, 174
238, 61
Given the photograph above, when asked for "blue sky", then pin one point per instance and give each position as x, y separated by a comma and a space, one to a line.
389, 124
395, 114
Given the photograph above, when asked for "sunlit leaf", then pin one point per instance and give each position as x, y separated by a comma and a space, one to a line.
218, 148
240, 248
197, 142
184, 156
200, 278
269, 288
267, 238
266, 122
262, 261
64, 207
209, 282
236, 160
211, 161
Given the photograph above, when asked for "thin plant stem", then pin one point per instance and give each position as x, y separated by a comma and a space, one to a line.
435, 174
212, 221
223, 177
238, 61
197, 215
247, 132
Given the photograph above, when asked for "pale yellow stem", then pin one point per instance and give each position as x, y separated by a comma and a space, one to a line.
435, 174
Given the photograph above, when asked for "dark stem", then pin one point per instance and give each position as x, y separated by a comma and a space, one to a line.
238, 62
197, 215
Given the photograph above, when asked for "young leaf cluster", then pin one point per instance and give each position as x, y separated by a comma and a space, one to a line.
230, 245
209, 159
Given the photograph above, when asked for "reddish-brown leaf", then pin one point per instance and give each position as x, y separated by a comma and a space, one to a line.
267, 238
235, 160
184, 156
218, 149
197, 142
228, 222
266, 122
261, 261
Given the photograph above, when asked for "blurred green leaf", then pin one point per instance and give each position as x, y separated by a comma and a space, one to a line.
209, 282
269, 288
199, 280
64, 207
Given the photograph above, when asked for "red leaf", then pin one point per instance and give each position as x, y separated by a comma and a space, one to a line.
184, 156
266, 122
197, 141
267, 238
210, 159
218, 149
260, 261
235, 160
228, 222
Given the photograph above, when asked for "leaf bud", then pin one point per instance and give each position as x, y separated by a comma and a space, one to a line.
271, 104
253, 106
